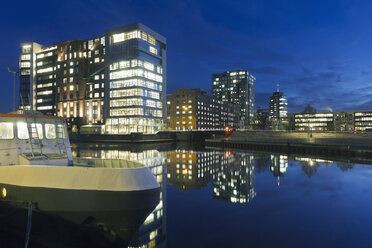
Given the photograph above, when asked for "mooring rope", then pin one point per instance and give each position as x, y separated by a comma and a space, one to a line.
29, 222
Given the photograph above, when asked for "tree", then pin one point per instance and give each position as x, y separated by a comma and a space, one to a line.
309, 110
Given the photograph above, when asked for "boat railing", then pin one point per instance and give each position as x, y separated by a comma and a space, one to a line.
107, 163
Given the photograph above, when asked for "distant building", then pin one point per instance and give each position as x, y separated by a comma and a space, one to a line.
329, 121
314, 121
363, 120
236, 87
344, 121
117, 79
195, 109
278, 106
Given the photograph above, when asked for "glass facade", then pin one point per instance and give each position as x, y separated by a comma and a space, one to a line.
237, 87
136, 79
118, 78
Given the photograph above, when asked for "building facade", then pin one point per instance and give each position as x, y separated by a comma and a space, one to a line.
236, 87
194, 109
27, 74
313, 121
363, 120
117, 80
278, 106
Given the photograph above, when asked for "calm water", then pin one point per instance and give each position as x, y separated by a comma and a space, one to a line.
249, 199
212, 198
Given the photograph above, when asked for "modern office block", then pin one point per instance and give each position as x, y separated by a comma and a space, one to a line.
27, 74
278, 106
195, 109
314, 121
117, 80
236, 87
363, 120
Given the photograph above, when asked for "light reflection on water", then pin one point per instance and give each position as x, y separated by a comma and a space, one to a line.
228, 177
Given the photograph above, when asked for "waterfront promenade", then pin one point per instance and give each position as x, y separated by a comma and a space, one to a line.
345, 144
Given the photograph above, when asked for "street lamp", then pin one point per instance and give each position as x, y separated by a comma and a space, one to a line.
15, 73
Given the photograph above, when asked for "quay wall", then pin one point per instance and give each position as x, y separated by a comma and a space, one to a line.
319, 143
331, 138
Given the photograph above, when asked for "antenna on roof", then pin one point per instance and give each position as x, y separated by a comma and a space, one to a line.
277, 87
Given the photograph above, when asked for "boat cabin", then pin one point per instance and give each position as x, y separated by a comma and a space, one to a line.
30, 138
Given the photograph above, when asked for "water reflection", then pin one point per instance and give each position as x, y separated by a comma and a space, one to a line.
152, 232
235, 180
231, 176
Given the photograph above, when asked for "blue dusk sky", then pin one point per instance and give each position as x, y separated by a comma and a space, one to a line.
320, 52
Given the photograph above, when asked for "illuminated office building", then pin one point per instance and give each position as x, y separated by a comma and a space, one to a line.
278, 106
331, 121
117, 79
363, 121
27, 74
194, 109
314, 121
236, 181
236, 87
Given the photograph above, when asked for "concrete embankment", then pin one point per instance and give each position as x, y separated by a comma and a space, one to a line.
321, 143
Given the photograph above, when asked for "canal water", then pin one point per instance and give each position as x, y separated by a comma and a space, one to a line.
214, 198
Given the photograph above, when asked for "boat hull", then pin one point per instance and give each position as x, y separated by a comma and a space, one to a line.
113, 217
106, 213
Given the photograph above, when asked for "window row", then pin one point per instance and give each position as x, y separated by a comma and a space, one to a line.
134, 92
135, 82
136, 34
136, 63
136, 73
49, 129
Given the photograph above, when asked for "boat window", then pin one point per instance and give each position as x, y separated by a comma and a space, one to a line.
61, 131
22, 130
6, 130
50, 131
39, 128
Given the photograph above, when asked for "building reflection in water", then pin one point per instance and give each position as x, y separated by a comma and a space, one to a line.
152, 233
189, 169
235, 181
232, 175
310, 165
279, 165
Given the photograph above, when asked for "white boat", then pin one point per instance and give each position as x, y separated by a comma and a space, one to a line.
37, 172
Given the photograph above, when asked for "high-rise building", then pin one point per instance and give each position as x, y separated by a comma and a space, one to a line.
27, 75
278, 106
190, 109
236, 87
117, 79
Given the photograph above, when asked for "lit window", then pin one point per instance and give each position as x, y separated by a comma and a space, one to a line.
118, 37
22, 130
6, 130
153, 50
50, 131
